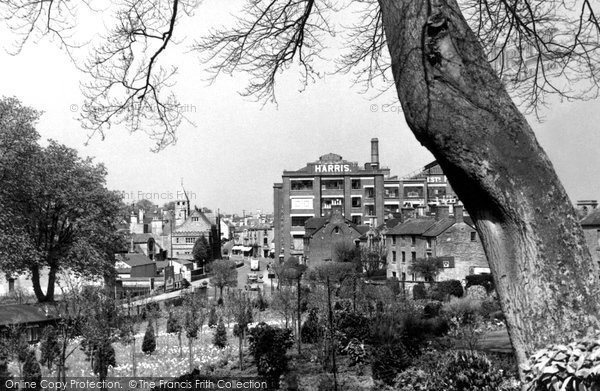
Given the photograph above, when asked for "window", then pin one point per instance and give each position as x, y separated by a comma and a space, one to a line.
356, 220
391, 192
473, 236
189, 240
413, 240
370, 192
356, 184
394, 274
11, 285
299, 221
356, 202
195, 218
332, 184
413, 256
301, 184
265, 241
393, 240
336, 230
403, 256
394, 256
403, 276
370, 210
428, 243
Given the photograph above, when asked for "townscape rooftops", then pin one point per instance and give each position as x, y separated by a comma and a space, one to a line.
424, 226
134, 259
25, 313
592, 219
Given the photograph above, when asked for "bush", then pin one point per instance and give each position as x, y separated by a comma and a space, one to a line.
260, 302
311, 331
419, 292
268, 346
149, 342
32, 372
484, 280
173, 325
212, 317
104, 357
432, 309
446, 289
489, 307
415, 379
388, 360
571, 368
220, 339
470, 371
49, 348
351, 325
477, 292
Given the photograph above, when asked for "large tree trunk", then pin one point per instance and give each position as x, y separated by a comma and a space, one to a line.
457, 108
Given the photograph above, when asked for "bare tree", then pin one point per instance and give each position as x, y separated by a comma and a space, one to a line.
454, 101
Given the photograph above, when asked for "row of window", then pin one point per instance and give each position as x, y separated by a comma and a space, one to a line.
413, 256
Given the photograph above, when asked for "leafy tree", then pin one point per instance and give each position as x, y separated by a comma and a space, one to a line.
202, 252
311, 331
224, 274
32, 372
373, 259
149, 342
104, 357
62, 217
49, 348
241, 309
438, 56
268, 346
212, 317
220, 339
428, 268
293, 271
195, 314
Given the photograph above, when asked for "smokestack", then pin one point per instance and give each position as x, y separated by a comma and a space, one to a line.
374, 153
442, 212
458, 213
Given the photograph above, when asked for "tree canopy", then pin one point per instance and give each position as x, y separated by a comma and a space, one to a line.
62, 217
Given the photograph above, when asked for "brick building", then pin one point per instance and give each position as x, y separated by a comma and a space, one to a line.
324, 233
364, 195
444, 236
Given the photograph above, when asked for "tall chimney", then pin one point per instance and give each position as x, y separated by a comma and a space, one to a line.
374, 153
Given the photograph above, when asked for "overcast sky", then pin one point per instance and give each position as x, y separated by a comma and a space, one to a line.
237, 148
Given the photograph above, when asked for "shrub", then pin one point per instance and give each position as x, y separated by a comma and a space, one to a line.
149, 342
351, 325
484, 280
356, 350
104, 357
32, 372
4, 373
470, 371
571, 368
220, 339
489, 307
415, 379
419, 292
464, 318
388, 360
477, 292
432, 309
268, 346
260, 302
311, 331
49, 348
445, 289
212, 317
173, 325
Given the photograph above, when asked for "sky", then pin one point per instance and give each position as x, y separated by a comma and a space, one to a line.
237, 148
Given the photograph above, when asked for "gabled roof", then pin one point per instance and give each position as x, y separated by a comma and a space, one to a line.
315, 223
422, 226
591, 220
25, 313
134, 259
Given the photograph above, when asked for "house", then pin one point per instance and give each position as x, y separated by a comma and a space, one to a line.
324, 233
32, 318
449, 238
185, 235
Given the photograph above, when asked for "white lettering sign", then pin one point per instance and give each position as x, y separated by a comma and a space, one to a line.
333, 168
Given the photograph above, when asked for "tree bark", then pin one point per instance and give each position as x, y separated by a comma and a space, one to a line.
457, 107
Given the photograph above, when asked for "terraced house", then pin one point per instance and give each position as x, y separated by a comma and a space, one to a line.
451, 238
